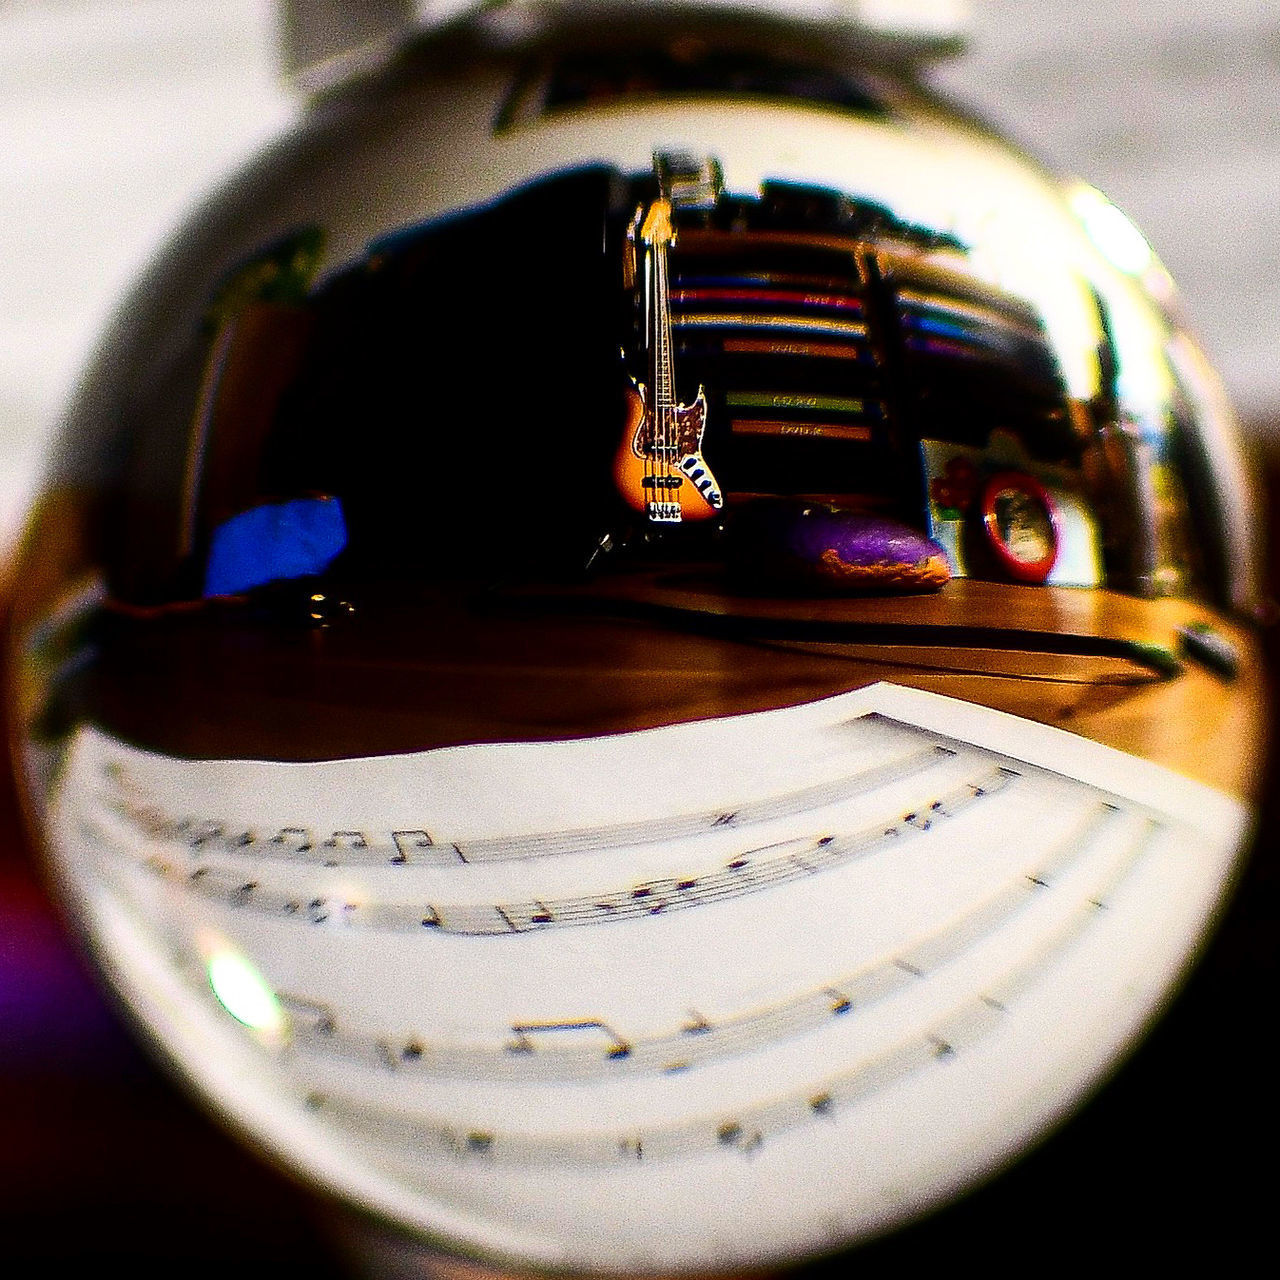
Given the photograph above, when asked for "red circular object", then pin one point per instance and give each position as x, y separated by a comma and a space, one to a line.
1020, 521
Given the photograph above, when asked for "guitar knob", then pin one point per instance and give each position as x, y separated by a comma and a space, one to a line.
639, 654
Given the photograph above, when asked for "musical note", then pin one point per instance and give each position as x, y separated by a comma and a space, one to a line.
308, 1016
589, 1038
752, 871
522, 917
342, 842
293, 841
197, 834
244, 892
746, 1134
937, 1046
586, 1048
733, 1134
409, 846
840, 1002
631, 1148
419, 847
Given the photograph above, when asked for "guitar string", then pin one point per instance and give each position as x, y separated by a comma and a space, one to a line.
648, 422
662, 322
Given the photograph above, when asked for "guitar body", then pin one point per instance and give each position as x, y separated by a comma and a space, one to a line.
668, 483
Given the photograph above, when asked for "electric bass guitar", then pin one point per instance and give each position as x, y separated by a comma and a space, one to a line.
659, 468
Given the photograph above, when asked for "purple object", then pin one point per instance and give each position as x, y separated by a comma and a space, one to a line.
815, 546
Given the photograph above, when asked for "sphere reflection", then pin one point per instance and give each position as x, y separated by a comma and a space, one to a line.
603, 647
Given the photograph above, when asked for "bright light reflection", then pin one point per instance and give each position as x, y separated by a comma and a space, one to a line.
1115, 237
243, 992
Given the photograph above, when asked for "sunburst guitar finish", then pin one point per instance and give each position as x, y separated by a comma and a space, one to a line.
668, 483
659, 469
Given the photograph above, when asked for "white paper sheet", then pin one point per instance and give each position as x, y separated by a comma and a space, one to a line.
708, 995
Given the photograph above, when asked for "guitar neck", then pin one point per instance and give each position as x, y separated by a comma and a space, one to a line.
663, 357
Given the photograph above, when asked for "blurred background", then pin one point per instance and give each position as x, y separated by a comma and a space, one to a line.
116, 114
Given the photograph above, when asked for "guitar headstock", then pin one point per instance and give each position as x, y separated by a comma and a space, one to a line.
658, 228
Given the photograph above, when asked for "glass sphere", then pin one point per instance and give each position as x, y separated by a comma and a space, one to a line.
637, 626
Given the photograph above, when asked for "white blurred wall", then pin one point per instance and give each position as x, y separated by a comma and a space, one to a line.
1172, 107
114, 114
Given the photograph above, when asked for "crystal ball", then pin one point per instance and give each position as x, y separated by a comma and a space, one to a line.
636, 654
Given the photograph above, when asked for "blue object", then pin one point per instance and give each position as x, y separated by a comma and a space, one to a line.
274, 542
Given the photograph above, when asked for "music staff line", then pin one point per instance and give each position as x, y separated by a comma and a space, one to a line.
748, 1129
203, 837
1031, 770
596, 1050
757, 869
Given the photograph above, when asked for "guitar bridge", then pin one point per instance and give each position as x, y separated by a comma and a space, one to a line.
665, 513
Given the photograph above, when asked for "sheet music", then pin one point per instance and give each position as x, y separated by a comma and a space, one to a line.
639, 988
